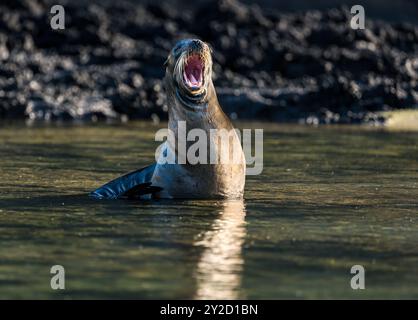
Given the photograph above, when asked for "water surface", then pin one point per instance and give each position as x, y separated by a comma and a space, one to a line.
328, 198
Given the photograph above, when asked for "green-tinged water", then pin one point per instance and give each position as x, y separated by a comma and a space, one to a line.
328, 199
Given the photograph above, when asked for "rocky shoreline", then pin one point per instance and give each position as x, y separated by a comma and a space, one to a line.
306, 67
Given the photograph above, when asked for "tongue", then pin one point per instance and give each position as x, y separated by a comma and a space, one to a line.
193, 80
197, 74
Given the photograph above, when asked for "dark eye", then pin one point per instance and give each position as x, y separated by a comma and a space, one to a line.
177, 49
179, 46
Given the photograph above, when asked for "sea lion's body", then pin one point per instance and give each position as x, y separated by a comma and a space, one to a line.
202, 180
199, 110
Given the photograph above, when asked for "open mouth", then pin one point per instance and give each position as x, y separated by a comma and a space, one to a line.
193, 72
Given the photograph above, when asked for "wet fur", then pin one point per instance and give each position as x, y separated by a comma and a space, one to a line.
201, 180
200, 109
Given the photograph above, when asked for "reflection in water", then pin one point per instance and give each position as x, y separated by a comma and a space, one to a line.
219, 268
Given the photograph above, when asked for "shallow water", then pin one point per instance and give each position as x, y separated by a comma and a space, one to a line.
328, 198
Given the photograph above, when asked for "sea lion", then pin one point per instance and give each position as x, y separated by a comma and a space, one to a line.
192, 100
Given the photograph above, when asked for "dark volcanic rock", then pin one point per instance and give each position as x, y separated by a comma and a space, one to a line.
108, 62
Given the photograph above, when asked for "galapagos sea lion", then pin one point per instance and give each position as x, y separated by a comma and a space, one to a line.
192, 100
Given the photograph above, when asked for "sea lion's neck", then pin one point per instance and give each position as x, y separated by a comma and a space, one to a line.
207, 114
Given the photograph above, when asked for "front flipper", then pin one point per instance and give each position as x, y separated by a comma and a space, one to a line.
131, 185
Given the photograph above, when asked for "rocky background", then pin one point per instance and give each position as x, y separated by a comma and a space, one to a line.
305, 66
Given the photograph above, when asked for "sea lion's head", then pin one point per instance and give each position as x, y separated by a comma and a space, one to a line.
189, 71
